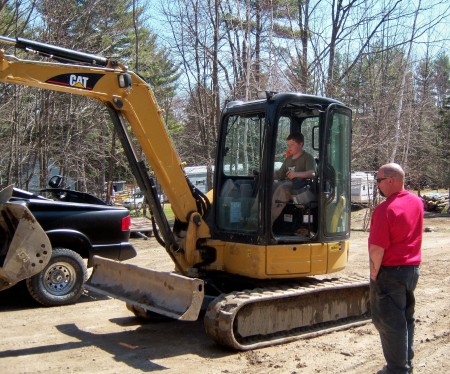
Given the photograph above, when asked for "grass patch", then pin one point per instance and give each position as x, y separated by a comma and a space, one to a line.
167, 208
168, 212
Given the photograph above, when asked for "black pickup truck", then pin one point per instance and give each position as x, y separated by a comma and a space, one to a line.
77, 232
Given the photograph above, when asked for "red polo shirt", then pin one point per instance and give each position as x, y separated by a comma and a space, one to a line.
397, 226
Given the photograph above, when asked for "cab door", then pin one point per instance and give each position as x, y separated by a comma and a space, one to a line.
335, 174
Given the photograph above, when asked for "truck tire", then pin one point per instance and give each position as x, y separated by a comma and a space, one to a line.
61, 282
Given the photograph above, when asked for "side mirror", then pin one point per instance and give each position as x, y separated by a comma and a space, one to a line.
55, 181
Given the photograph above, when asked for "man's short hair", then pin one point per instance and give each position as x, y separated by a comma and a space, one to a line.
297, 136
393, 170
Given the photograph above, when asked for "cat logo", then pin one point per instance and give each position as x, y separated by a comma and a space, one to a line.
82, 81
78, 81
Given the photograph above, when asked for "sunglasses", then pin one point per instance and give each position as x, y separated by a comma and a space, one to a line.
379, 180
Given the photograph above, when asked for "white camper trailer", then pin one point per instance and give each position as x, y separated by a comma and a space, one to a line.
362, 184
198, 177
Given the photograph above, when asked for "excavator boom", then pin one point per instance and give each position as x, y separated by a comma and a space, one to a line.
130, 102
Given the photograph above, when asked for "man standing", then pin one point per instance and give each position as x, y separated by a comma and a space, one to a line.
395, 254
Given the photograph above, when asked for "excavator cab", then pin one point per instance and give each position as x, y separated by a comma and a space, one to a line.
251, 149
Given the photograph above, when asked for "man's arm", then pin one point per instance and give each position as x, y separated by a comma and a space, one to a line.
301, 174
310, 169
376, 254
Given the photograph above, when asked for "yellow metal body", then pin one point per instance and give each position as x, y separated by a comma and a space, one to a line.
279, 261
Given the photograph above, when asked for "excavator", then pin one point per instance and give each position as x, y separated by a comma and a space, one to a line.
256, 278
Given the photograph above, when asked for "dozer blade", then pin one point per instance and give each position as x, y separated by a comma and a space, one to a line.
168, 294
25, 249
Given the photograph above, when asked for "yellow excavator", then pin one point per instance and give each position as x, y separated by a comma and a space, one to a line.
257, 278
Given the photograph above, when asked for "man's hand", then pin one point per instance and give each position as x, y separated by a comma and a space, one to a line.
291, 174
300, 174
376, 254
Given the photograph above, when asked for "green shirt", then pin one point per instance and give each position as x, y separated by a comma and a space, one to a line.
305, 162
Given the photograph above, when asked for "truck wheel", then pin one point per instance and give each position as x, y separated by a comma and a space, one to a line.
61, 282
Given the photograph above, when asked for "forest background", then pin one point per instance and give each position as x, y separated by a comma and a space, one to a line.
388, 60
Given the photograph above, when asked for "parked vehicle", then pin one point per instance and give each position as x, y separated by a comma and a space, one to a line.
59, 193
362, 187
136, 201
77, 232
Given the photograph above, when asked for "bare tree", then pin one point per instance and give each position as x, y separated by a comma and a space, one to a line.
195, 30
399, 116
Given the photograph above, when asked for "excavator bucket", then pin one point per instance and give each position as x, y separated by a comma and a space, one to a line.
25, 249
168, 294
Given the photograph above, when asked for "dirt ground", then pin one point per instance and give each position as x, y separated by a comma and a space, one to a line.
99, 335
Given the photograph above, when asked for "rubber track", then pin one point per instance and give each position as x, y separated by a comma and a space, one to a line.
231, 313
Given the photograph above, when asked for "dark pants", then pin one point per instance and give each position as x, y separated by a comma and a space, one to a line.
392, 304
